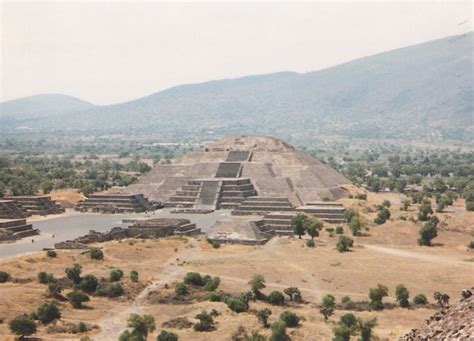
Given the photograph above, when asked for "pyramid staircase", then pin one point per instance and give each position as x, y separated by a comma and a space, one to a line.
330, 212
263, 205
278, 223
16, 229
9, 210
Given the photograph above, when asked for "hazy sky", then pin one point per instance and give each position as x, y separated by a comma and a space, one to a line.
112, 52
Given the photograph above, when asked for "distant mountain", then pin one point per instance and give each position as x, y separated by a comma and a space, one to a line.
41, 106
425, 89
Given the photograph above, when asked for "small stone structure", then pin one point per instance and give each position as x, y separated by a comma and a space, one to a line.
37, 204
14, 229
146, 228
116, 203
240, 231
330, 212
9, 210
263, 205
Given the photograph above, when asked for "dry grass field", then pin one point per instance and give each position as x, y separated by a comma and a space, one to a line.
386, 254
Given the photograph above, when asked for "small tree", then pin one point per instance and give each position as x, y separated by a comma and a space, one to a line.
298, 224
48, 312
313, 226
355, 225
365, 328
181, 289
425, 210
22, 326
134, 276
405, 204
44, 277
167, 336
327, 308
193, 278
74, 273
347, 303
263, 315
342, 332
113, 290
278, 331
257, 283
420, 299
344, 244
236, 304
4, 276
293, 293
349, 320
115, 275
290, 318
89, 283
206, 322
141, 326
76, 298
54, 289
96, 253
402, 294
212, 284
428, 232
376, 295
339, 230
276, 298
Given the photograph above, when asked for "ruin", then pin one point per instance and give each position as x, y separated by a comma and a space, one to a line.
330, 212
116, 203
9, 210
140, 228
36, 204
228, 173
14, 229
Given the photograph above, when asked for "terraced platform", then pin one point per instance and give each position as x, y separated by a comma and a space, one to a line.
330, 212
14, 229
115, 203
40, 205
261, 206
9, 210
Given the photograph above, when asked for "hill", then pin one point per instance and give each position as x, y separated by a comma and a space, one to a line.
421, 90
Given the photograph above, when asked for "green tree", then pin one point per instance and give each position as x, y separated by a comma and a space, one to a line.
89, 283
263, 315
76, 298
290, 319
48, 312
167, 336
257, 283
376, 295
181, 289
344, 244
115, 275
425, 210
365, 328
278, 331
193, 278
206, 322
276, 298
313, 226
342, 332
236, 304
355, 225
51, 253
4, 276
44, 277
74, 273
96, 253
298, 225
293, 293
405, 204
428, 232
327, 307
420, 299
134, 276
22, 326
402, 295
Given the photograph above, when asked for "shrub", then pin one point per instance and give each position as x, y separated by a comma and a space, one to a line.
402, 295
471, 244
344, 244
181, 289
167, 336
215, 244
236, 304
96, 253
263, 315
376, 295
428, 232
470, 206
22, 326
339, 230
212, 283
54, 289
420, 299
310, 243
44, 277
361, 196
140, 325
76, 298
276, 298
365, 328
48, 312
327, 308
214, 296
257, 283
74, 273
355, 225
290, 318
193, 278
81, 327
278, 331
4, 276
115, 275
89, 283
51, 253
349, 320
347, 303
134, 276
342, 332
293, 293
206, 322
114, 290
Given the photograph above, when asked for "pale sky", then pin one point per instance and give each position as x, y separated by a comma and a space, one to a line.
109, 52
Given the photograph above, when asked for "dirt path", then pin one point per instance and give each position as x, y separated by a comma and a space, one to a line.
113, 325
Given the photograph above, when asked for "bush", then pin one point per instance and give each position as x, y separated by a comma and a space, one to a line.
428, 232
339, 230
327, 308
4, 276
81, 327
54, 289
276, 298
89, 283
310, 243
420, 299
290, 318
263, 315
51, 253
376, 295
48, 312
471, 244
115, 275
76, 298
206, 322
347, 303
140, 325
236, 304
342, 332
22, 326
361, 196
344, 244
278, 331
167, 336
214, 296
44, 277
74, 273
212, 283
470, 206
257, 283
134, 276
181, 289
215, 244
114, 290
349, 320
193, 278
96, 253
355, 225
402, 295
365, 328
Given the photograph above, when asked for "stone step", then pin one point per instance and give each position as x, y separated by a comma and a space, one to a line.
19, 228
27, 233
182, 198
190, 232
242, 194
179, 204
191, 187
246, 203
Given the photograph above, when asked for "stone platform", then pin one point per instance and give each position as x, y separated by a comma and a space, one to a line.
14, 229
9, 210
36, 205
115, 203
